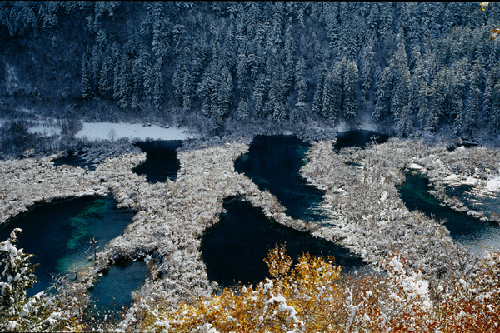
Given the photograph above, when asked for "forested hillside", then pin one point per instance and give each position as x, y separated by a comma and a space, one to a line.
411, 67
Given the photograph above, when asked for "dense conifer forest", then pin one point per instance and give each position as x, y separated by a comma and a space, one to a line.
408, 67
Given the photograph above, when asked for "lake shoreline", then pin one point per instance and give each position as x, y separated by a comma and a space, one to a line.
172, 216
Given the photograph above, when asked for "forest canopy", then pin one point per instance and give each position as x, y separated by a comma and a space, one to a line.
408, 67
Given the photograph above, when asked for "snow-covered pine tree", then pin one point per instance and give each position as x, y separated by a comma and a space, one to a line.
18, 312
366, 72
158, 83
493, 93
471, 110
259, 94
399, 100
299, 111
87, 90
458, 80
332, 96
317, 104
105, 83
242, 112
349, 85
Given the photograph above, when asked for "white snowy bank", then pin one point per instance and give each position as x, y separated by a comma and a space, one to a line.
114, 131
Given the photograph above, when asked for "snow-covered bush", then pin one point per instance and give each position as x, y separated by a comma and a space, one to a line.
315, 296
17, 311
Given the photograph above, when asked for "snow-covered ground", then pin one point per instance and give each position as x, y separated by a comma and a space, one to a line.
114, 131
493, 184
45, 131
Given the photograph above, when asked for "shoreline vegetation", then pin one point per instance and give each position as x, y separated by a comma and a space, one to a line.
365, 213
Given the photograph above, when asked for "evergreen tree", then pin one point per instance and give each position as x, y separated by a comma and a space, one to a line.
317, 106
456, 96
473, 99
105, 83
366, 72
125, 78
439, 92
158, 83
493, 93
332, 95
181, 82
259, 95
384, 94
17, 311
242, 112
95, 63
160, 30
87, 90
298, 113
289, 55
349, 95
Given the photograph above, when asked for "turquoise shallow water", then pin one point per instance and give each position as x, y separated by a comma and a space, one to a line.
58, 233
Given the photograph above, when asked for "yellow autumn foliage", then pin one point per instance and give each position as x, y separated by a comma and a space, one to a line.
313, 296
301, 299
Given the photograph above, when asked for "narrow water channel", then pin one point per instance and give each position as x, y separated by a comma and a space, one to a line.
57, 233
465, 229
488, 204
234, 248
273, 164
74, 159
161, 163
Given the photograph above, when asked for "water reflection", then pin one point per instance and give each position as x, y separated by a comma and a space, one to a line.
273, 163
359, 138
234, 248
75, 160
161, 162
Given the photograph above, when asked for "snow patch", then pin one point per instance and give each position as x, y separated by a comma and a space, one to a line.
451, 178
493, 184
342, 127
415, 166
46, 131
113, 131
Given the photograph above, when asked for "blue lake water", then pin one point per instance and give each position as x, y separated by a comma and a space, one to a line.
359, 138
273, 164
113, 290
235, 247
57, 233
468, 230
161, 163
487, 204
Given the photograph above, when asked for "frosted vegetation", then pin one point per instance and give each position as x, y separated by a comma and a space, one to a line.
365, 214
223, 72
